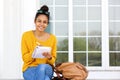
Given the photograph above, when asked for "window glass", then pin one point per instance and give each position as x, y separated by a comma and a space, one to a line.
94, 2
114, 59
79, 13
79, 28
114, 2
79, 44
62, 57
61, 13
94, 28
49, 28
94, 13
51, 13
79, 2
61, 28
114, 43
61, 2
47, 2
80, 57
94, 59
62, 44
94, 44
114, 13
114, 29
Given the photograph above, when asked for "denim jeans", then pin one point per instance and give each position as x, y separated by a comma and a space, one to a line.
41, 72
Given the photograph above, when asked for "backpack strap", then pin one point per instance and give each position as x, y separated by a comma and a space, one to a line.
58, 73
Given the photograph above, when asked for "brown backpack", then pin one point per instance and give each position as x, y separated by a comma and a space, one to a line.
71, 71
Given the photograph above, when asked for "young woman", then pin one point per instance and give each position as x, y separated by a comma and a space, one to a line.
38, 68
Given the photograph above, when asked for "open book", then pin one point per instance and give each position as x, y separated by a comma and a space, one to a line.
39, 50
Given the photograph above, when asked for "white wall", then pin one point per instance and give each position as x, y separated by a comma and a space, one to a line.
1, 36
15, 18
10, 30
27, 14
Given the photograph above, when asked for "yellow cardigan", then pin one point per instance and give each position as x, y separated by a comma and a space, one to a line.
28, 44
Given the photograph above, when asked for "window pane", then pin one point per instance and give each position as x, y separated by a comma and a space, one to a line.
79, 2
94, 13
114, 32
80, 57
114, 2
51, 12
94, 2
94, 44
114, 44
79, 44
49, 28
61, 13
94, 28
114, 13
61, 2
94, 59
62, 57
61, 28
79, 13
114, 28
79, 28
47, 2
114, 59
62, 44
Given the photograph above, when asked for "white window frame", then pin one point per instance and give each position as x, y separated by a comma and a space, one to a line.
105, 41
70, 7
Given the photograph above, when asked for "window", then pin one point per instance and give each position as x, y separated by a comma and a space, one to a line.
114, 32
87, 32
82, 35
59, 26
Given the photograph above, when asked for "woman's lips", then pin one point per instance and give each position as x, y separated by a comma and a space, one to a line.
41, 28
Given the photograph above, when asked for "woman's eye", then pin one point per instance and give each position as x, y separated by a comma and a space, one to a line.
45, 22
39, 21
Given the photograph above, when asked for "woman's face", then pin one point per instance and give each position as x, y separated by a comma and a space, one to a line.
41, 22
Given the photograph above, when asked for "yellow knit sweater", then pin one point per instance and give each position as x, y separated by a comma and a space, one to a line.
28, 44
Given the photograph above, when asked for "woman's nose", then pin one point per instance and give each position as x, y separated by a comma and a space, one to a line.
41, 23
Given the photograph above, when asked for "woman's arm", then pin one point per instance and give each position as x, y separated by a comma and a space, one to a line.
26, 53
53, 52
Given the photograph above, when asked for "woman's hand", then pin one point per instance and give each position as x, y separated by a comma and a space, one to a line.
47, 55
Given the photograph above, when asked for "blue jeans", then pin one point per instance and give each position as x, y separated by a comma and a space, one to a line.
41, 72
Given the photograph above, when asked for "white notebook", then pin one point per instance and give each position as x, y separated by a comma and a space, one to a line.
37, 53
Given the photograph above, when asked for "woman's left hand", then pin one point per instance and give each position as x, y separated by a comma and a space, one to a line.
47, 55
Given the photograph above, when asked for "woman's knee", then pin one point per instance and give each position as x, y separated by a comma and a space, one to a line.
45, 70
41, 67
